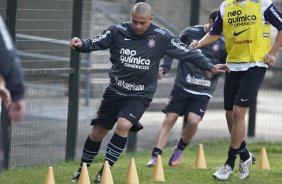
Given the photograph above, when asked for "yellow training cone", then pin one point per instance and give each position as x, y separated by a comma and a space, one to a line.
132, 176
106, 175
200, 162
84, 176
158, 172
50, 177
263, 160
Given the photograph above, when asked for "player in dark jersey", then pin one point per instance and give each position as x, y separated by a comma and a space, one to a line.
191, 92
10, 70
11, 81
136, 49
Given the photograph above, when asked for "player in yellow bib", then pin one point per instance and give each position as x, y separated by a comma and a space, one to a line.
246, 28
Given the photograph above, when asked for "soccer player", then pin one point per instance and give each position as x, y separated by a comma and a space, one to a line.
11, 81
136, 48
11, 72
246, 28
191, 92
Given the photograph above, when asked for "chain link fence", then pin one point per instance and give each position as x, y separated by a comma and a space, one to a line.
43, 29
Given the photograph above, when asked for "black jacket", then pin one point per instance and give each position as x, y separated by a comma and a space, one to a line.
135, 58
9, 64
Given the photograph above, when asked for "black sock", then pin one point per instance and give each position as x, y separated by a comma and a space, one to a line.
243, 152
115, 148
156, 151
232, 154
181, 144
89, 152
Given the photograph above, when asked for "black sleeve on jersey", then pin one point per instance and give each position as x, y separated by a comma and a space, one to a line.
217, 26
99, 42
166, 65
167, 61
274, 16
10, 68
14, 82
183, 36
177, 49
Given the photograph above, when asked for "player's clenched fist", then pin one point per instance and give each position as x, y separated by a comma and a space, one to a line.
75, 43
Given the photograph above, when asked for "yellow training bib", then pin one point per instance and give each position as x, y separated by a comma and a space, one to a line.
247, 38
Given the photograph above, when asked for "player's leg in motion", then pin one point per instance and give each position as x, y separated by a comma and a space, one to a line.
189, 131
168, 123
116, 145
91, 148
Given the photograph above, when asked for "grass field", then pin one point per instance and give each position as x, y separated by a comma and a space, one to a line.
215, 154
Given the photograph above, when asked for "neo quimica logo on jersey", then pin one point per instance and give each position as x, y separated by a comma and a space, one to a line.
129, 59
236, 18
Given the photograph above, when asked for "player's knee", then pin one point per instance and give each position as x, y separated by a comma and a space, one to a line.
193, 121
238, 113
98, 133
123, 127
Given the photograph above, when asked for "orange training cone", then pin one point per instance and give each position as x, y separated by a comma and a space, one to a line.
106, 175
263, 161
132, 176
50, 177
84, 176
158, 172
200, 162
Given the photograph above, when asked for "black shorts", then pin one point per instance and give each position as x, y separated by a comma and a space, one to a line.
241, 88
114, 106
182, 102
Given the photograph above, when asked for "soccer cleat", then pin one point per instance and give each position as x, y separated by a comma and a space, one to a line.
98, 178
75, 177
223, 173
245, 167
152, 162
175, 158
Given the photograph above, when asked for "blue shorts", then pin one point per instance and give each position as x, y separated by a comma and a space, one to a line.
114, 106
183, 102
241, 88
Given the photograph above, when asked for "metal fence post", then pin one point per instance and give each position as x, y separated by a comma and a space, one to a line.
73, 100
6, 127
252, 119
131, 142
195, 10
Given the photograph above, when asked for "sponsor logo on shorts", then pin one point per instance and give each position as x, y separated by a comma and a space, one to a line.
132, 115
244, 100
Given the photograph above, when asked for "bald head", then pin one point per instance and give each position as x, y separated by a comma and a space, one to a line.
141, 17
142, 8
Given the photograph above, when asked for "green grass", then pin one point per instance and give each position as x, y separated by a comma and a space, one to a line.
215, 153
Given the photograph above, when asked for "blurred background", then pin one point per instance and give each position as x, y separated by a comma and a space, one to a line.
64, 89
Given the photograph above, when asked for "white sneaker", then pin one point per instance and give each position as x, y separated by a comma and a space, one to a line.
245, 167
223, 173
152, 162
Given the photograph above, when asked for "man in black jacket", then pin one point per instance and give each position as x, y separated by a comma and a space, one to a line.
136, 48
11, 81
11, 72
